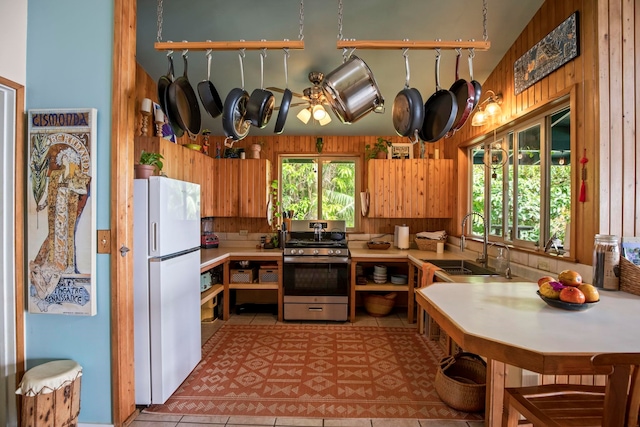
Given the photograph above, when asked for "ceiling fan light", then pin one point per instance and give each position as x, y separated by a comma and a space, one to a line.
319, 112
304, 115
325, 120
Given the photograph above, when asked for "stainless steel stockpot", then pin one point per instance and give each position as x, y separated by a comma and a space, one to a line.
352, 90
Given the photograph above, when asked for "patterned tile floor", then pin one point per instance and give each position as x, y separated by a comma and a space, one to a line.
396, 319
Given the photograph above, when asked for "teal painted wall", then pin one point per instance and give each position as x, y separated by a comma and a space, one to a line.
69, 51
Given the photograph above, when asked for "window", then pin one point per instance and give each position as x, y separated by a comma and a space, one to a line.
317, 187
521, 181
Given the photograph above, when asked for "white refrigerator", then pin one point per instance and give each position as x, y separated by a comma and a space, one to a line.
166, 275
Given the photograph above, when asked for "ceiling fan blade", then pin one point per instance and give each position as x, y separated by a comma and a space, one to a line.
277, 89
297, 104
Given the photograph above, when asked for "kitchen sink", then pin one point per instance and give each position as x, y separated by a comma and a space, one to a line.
461, 267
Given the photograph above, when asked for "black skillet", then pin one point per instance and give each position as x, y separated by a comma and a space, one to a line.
261, 102
182, 102
163, 85
439, 111
234, 122
477, 87
286, 99
464, 92
408, 109
208, 94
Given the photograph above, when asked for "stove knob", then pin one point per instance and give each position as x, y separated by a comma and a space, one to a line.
300, 251
338, 251
316, 252
330, 252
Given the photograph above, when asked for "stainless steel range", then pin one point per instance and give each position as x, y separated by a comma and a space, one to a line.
316, 271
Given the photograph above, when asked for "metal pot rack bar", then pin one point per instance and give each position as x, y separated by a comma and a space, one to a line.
230, 45
412, 44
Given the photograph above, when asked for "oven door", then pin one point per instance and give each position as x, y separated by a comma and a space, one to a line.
316, 276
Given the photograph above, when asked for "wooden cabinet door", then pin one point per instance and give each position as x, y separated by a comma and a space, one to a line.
413, 188
225, 187
254, 181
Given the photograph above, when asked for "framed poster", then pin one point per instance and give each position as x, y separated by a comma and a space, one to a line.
553, 51
400, 151
61, 211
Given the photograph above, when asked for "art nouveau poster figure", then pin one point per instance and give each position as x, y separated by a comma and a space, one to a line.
61, 249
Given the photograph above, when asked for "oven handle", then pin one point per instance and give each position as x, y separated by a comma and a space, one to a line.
316, 260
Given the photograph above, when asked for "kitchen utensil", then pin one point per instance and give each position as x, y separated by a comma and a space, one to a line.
352, 91
183, 104
477, 87
464, 92
408, 107
261, 102
208, 94
286, 98
439, 111
163, 85
234, 123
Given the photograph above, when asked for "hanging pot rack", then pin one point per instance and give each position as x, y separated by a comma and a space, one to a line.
412, 44
345, 44
228, 45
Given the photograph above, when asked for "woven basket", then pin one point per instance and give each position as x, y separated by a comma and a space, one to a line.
428, 244
629, 277
461, 382
380, 305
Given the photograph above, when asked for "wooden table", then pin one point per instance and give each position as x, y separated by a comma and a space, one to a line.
510, 325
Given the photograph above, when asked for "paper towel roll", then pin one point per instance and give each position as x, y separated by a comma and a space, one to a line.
403, 237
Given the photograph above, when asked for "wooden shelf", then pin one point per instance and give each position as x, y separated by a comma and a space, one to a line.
382, 287
255, 286
210, 293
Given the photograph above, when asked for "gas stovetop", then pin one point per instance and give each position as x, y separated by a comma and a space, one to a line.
317, 237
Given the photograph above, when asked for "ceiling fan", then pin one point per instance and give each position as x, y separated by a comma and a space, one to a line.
314, 100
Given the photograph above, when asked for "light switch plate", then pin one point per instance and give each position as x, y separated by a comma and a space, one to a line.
543, 265
104, 241
244, 232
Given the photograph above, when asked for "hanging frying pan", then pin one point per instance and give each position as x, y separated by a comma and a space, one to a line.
163, 85
408, 109
234, 123
208, 94
182, 102
439, 111
477, 87
261, 102
464, 92
286, 98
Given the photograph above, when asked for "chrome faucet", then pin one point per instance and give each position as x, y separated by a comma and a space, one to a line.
485, 238
507, 271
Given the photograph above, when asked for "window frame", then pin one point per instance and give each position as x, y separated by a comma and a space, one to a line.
356, 159
509, 134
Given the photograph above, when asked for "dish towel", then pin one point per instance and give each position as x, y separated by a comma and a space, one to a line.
433, 235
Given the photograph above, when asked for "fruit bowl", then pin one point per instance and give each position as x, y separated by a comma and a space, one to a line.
556, 303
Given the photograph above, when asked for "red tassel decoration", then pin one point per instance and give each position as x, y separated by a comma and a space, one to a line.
583, 185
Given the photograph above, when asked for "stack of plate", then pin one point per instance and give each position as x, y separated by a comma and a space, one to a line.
399, 279
380, 274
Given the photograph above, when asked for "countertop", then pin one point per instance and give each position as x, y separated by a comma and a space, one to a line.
358, 250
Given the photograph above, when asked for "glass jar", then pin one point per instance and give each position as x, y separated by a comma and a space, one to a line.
606, 259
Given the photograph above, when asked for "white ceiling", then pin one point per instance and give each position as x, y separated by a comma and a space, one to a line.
273, 20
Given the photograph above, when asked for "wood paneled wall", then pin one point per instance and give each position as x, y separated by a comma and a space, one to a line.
577, 79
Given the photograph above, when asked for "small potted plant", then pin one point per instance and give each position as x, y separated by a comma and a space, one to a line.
379, 150
148, 163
